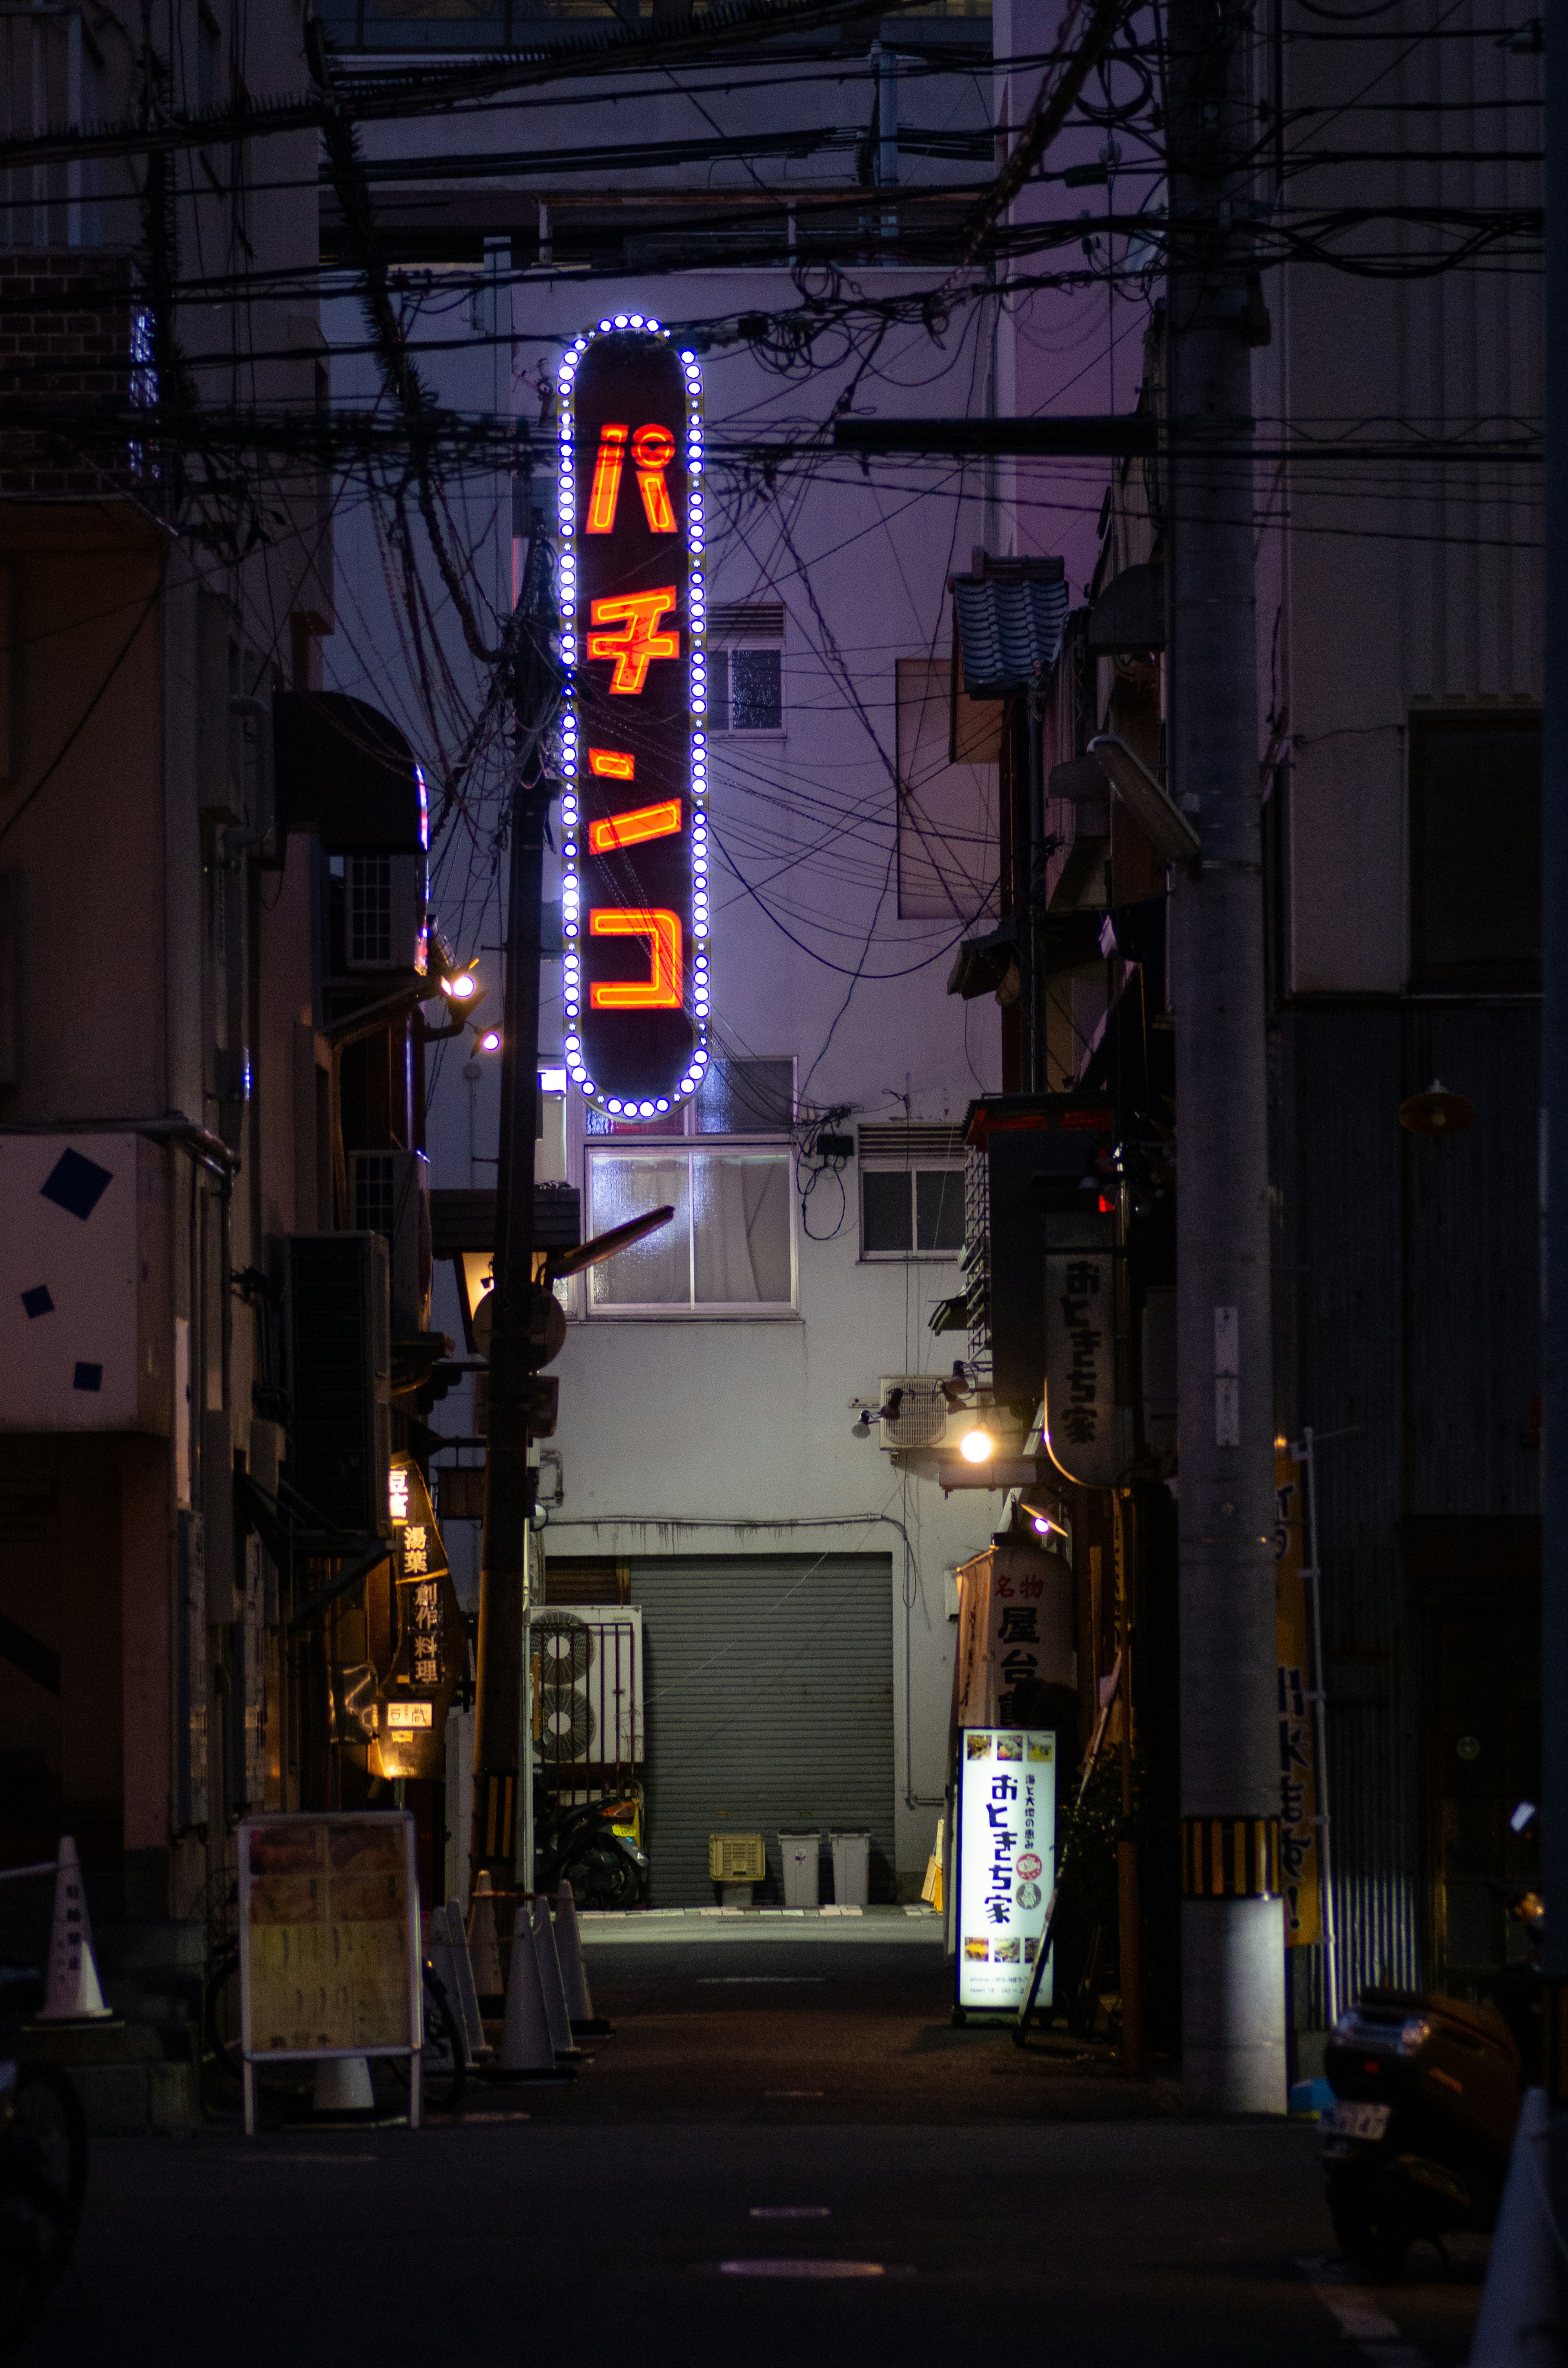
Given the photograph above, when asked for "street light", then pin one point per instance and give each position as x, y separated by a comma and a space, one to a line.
977, 1446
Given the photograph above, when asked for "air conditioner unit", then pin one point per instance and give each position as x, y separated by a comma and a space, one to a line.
588, 1693
391, 1194
384, 911
922, 1418
340, 1378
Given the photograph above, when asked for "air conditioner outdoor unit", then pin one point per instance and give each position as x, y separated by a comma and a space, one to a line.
588, 1693
392, 1197
922, 1418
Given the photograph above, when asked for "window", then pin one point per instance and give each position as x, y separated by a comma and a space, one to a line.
948, 850
745, 668
1475, 853
370, 910
911, 1191
729, 1249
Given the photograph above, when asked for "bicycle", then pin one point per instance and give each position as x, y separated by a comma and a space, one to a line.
443, 2059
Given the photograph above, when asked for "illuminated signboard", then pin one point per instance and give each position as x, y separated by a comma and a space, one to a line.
1006, 1836
633, 763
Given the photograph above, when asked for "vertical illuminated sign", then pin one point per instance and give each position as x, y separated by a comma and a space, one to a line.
1006, 1864
633, 763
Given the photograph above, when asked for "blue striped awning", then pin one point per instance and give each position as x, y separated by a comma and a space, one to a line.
1007, 631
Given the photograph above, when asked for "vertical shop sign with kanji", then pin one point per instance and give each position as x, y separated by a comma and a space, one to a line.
1297, 1758
1084, 1428
1006, 1864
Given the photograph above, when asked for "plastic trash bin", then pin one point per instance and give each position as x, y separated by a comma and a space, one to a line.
851, 1869
801, 1857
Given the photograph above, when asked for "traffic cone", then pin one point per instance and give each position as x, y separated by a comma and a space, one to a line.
525, 2051
483, 1948
1522, 2302
342, 2091
72, 1992
550, 1984
573, 1973
463, 1991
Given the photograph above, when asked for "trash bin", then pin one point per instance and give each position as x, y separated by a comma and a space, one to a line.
800, 1854
851, 1869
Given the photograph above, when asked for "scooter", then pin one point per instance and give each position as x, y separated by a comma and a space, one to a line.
605, 1869
1427, 2093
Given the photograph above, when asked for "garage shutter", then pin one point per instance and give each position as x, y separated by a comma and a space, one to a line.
767, 1691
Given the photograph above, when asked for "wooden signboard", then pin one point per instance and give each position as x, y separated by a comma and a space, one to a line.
329, 1942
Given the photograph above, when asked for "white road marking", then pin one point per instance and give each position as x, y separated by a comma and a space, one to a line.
766, 2269
1362, 2320
751, 1981
263, 2154
792, 2211
791, 2092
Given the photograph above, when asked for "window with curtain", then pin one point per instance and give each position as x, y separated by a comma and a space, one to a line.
728, 1250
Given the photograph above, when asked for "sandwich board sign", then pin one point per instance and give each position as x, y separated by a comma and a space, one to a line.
329, 1942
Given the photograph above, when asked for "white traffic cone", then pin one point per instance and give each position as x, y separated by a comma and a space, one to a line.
1522, 2316
483, 1948
525, 2051
573, 1973
72, 1993
343, 2088
460, 1987
550, 1981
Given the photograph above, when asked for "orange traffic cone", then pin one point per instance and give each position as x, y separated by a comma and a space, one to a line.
72, 1993
483, 1948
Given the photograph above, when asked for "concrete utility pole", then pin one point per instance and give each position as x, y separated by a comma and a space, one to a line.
1233, 1925
1554, 1122
501, 1767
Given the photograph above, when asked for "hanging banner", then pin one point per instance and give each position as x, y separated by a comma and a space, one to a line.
1084, 1427
1015, 1637
633, 762
1007, 1869
1298, 1760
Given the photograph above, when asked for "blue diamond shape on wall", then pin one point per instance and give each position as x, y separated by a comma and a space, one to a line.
38, 1302
88, 1377
75, 1184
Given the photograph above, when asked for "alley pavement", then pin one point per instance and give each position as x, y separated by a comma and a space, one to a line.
782, 2154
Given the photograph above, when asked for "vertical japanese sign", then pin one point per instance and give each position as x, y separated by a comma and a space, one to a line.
1006, 1870
430, 1646
1298, 1767
633, 761
1084, 1428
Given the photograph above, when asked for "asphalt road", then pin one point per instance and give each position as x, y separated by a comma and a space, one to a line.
759, 2111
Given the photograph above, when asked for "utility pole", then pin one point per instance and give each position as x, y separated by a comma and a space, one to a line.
501, 1759
1233, 1924
1554, 1125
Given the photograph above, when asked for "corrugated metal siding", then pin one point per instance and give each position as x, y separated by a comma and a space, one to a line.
1472, 1264
1347, 1071
767, 1694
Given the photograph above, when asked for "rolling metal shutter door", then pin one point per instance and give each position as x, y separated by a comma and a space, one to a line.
767, 1694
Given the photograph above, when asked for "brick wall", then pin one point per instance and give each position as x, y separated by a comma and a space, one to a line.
64, 353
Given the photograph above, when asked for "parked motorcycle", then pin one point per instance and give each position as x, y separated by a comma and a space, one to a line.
1427, 2093
1427, 2097
605, 1869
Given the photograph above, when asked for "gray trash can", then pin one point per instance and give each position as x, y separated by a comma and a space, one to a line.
801, 1857
851, 1870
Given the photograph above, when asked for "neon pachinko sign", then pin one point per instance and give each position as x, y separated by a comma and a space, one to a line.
634, 895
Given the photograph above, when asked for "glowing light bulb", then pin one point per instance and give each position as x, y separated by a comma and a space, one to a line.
977, 1446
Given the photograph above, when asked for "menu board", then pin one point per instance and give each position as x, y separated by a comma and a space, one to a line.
329, 1936
1006, 1836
